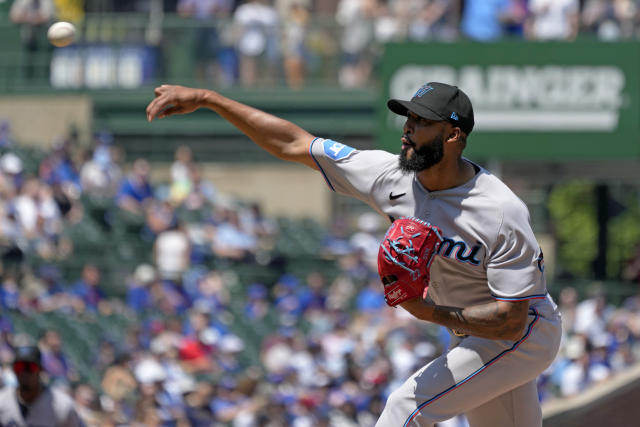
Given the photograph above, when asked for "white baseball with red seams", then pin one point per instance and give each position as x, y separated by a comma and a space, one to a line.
61, 34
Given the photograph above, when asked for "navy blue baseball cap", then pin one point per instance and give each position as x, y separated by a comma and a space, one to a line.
438, 101
28, 353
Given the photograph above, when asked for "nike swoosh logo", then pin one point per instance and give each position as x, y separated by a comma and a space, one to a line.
395, 196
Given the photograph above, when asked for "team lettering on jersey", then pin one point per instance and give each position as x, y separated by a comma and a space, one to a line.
458, 249
448, 246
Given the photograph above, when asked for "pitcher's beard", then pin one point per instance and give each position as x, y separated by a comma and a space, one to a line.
422, 158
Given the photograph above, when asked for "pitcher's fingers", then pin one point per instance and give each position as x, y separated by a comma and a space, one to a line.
150, 113
152, 108
160, 89
170, 111
155, 107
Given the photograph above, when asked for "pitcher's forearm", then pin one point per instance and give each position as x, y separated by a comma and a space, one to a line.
279, 137
493, 320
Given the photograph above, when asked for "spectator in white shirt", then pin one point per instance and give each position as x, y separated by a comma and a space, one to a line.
553, 19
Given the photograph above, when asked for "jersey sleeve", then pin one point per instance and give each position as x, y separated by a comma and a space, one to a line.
349, 171
515, 266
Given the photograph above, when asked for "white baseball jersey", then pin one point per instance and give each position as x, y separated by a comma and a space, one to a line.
53, 408
489, 253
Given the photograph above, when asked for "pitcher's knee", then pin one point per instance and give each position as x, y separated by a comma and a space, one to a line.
403, 408
396, 399
399, 408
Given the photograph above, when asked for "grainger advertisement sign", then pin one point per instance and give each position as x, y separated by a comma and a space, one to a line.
531, 100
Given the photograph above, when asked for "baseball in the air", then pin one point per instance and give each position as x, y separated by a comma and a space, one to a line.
61, 34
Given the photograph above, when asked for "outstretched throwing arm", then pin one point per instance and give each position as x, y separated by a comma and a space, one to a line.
279, 137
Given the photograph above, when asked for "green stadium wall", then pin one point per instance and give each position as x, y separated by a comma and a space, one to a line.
534, 101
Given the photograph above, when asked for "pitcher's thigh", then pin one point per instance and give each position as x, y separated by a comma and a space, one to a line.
516, 408
473, 373
439, 391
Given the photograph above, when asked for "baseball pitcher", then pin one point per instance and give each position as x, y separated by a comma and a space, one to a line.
460, 251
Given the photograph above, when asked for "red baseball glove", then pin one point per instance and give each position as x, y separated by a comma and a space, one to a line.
404, 259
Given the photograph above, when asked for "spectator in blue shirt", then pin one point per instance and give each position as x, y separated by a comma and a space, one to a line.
135, 190
231, 240
58, 167
87, 288
314, 294
9, 293
257, 306
6, 139
54, 361
482, 20
370, 299
138, 294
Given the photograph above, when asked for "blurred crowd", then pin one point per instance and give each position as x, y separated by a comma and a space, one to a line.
204, 345
288, 39
600, 340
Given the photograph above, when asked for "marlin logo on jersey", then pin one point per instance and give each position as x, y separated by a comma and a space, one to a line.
424, 89
459, 250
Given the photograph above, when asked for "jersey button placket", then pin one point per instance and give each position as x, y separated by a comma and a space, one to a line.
428, 210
